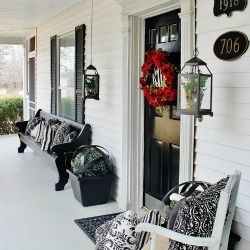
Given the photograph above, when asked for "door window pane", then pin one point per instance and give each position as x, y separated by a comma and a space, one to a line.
153, 35
163, 34
173, 32
67, 77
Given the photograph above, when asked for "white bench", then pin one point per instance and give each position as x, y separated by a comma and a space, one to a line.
221, 229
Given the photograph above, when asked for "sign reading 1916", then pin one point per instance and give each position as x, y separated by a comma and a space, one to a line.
228, 6
231, 45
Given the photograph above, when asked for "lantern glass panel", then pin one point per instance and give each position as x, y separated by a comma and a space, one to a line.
91, 85
188, 92
205, 92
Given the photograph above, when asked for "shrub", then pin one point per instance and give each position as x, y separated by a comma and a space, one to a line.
11, 110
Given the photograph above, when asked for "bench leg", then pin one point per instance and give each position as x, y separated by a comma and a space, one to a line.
63, 175
22, 147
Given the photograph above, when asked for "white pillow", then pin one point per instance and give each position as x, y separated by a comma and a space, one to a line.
122, 233
34, 131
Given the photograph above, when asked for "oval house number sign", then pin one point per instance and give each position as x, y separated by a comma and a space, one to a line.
231, 45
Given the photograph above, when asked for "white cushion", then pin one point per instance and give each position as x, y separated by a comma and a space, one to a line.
162, 243
34, 131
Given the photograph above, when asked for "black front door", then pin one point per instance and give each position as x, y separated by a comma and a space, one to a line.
162, 126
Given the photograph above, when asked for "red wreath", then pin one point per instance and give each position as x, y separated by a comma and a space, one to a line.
158, 80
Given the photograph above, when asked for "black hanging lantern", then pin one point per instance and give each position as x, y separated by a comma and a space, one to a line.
91, 83
195, 89
91, 76
195, 85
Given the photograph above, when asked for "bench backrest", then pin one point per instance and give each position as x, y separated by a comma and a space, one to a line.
47, 116
225, 210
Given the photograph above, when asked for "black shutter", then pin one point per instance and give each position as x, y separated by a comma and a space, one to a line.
80, 33
53, 73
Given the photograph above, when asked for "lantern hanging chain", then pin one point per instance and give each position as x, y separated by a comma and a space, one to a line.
91, 31
196, 52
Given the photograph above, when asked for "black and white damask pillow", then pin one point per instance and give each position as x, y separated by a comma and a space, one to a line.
122, 233
32, 123
61, 133
152, 217
101, 234
196, 216
70, 137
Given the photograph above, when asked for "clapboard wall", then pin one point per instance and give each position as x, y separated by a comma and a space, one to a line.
104, 115
223, 141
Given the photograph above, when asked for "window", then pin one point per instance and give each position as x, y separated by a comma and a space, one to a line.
163, 34
67, 68
66, 83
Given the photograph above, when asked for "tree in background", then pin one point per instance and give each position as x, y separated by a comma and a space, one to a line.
11, 69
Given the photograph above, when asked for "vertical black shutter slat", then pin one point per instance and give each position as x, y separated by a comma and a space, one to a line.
80, 33
53, 73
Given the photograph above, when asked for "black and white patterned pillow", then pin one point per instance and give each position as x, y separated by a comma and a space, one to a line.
32, 123
173, 214
101, 234
49, 135
70, 137
61, 133
153, 217
40, 131
196, 216
122, 233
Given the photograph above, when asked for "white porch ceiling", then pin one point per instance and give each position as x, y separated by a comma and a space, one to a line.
19, 17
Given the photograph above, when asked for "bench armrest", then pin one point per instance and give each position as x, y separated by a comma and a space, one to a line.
82, 139
185, 239
21, 126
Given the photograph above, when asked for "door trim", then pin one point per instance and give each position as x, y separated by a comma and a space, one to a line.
131, 195
29, 55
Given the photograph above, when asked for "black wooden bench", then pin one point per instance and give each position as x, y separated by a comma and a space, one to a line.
59, 153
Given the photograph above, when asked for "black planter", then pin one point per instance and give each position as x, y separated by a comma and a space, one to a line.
91, 190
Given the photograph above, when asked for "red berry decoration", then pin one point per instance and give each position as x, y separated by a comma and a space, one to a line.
158, 80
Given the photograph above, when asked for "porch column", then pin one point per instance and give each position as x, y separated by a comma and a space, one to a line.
133, 115
187, 122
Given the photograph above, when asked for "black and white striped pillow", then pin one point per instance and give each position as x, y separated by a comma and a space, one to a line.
40, 131
49, 135
152, 217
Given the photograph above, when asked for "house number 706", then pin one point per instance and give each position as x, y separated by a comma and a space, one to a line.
229, 45
225, 4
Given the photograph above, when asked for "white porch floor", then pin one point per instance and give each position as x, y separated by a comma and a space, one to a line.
32, 215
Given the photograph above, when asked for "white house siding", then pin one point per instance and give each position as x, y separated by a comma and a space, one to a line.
104, 115
223, 141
